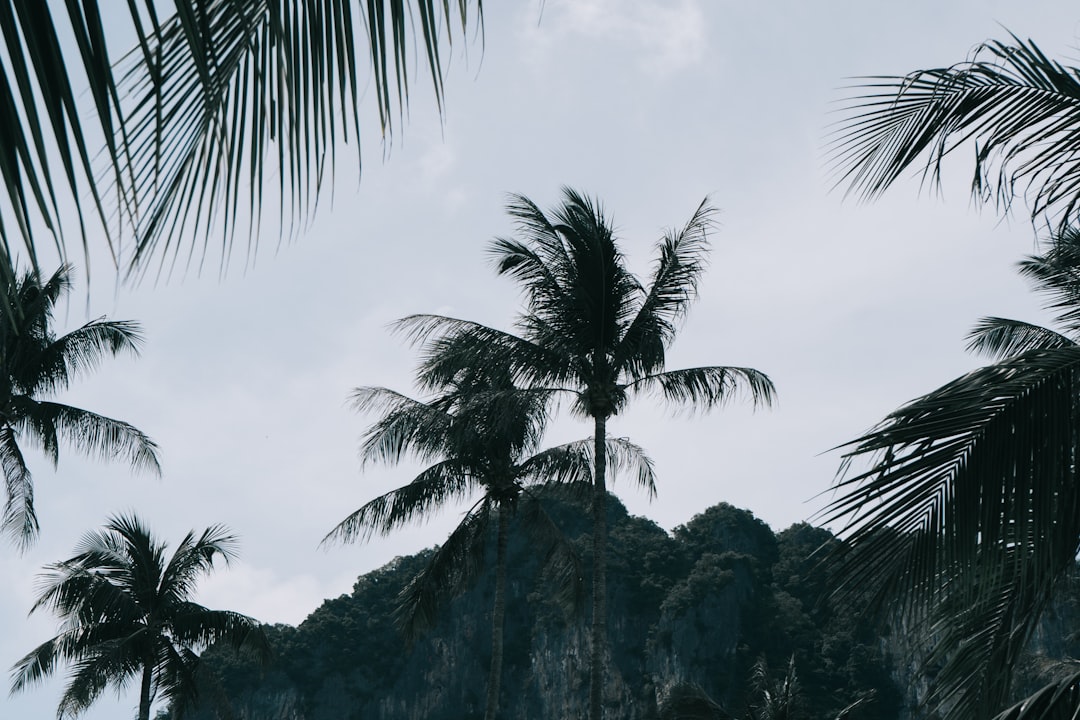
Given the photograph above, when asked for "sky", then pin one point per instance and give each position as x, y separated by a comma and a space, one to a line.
851, 308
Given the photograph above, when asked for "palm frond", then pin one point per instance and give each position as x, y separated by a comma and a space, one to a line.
970, 502
1056, 701
454, 567
1000, 338
681, 261
1021, 110
562, 568
708, 387
20, 522
222, 87
194, 558
407, 426
432, 488
95, 434
81, 351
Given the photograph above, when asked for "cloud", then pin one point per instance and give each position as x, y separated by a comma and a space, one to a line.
666, 37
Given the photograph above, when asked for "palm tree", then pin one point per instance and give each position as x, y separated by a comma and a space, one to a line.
967, 513
189, 115
127, 613
35, 363
484, 434
1021, 109
592, 330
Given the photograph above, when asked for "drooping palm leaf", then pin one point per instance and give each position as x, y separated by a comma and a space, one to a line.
1019, 108
191, 120
967, 513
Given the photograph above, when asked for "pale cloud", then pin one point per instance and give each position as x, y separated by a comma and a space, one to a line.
666, 37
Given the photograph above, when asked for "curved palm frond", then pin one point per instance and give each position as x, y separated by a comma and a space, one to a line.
682, 258
968, 514
1056, 701
191, 114
707, 387
1021, 109
194, 558
432, 488
1001, 338
562, 566
90, 433
20, 520
81, 351
455, 566
407, 426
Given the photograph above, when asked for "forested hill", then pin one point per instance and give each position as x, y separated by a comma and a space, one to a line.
691, 612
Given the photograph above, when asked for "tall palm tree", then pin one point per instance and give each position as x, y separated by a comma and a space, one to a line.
592, 330
188, 116
127, 613
1021, 110
965, 513
482, 434
34, 364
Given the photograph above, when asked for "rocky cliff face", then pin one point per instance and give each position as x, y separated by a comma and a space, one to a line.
696, 607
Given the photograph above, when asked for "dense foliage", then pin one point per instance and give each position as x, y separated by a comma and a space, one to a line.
696, 608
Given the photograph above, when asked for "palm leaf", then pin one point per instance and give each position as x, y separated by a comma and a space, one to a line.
1021, 109
681, 261
968, 513
1001, 338
20, 521
432, 488
455, 566
708, 387
1056, 701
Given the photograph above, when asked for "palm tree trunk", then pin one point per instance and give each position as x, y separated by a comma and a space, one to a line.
498, 614
144, 691
598, 653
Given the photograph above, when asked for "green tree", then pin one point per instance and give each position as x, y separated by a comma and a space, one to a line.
591, 329
968, 510
1019, 108
483, 434
188, 117
36, 363
127, 613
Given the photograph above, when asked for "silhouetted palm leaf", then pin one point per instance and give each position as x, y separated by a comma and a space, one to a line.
1019, 108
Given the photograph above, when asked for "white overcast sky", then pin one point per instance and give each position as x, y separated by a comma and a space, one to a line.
852, 309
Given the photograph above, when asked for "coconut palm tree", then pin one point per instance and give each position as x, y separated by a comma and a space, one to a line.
36, 364
482, 434
1019, 108
591, 330
127, 614
189, 115
964, 513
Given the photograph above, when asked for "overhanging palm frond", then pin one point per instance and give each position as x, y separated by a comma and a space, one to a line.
1001, 338
1021, 110
708, 387
222, 87
968, 514
1056, 701
562, 567
189, 119
194, 558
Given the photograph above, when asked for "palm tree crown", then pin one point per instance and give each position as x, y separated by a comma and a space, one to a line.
482, 434
590, 329
127, 613
35, 363
968, 510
